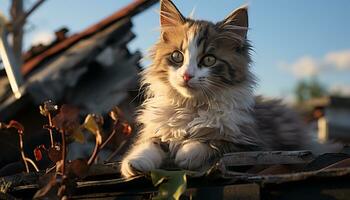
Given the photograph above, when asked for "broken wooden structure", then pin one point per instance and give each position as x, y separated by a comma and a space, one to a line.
93, 70
243, 175
96, 59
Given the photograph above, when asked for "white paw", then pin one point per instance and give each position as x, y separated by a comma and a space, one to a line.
193, 156
136, 166
141, 159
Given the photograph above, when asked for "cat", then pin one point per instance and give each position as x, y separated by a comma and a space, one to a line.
200, 100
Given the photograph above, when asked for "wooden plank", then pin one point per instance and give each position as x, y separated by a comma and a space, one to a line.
266, 158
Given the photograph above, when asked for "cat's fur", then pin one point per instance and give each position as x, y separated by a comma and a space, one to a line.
195, 113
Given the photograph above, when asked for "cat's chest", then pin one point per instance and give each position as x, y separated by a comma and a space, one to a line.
180, 122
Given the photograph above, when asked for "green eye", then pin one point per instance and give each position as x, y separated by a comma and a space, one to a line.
208, 60
177, 56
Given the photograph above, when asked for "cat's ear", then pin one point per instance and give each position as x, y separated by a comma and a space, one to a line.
169, 15
237, 21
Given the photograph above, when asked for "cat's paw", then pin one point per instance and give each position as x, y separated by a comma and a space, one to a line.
193, 156
135, 166
142, 159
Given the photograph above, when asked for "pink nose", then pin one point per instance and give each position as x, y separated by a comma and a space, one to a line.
187, 77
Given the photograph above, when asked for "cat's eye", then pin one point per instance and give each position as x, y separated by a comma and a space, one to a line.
208, 60
177, 56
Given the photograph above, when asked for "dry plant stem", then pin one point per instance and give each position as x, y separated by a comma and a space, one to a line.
22, 150
32, 163
115, 152
63, 151
108, 139
97, 149
50, 169
50, 130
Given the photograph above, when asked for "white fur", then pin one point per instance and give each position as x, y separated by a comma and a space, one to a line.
172, 119
184, 116
192, 155
175, 119
190, 66
144, 158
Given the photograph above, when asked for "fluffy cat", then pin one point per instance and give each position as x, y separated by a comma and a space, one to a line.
199, 98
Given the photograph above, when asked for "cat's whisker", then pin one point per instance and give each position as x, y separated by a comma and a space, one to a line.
217, 85
207, 97
213, 94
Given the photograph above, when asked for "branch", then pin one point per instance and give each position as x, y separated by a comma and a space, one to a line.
32, 163
21, 19
33, 8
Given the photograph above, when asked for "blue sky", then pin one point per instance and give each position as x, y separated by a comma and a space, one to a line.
292, 39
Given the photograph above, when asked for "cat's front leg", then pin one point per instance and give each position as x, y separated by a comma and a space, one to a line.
194, 155
142, 158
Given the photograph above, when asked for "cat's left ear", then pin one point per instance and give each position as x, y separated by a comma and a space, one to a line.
237, 21
170, 16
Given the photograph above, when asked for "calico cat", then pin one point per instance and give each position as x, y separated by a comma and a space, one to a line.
199, 98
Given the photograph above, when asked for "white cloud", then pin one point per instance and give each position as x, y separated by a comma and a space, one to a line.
340, 89
308, 66
304, 67
340, 60
43, 37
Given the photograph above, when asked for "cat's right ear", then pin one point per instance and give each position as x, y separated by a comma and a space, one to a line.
237, 21
170, 16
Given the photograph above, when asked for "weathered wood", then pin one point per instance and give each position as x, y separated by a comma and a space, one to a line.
139, 186
64, 71
233, 159
12, 66
16, 12
266, 158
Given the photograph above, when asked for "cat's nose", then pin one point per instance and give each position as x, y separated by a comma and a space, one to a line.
187, 77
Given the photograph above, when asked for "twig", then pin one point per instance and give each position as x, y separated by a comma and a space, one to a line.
97, 148
50, 169
63, 151
50, 130
33, 8
115, 152
109, 138
22, 150
33, 164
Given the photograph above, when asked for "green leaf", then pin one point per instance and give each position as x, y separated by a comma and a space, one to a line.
172, 184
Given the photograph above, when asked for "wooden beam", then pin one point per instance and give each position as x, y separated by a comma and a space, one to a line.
266, 158
12, 67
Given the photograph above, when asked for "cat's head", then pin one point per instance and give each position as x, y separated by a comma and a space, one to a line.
197, 58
